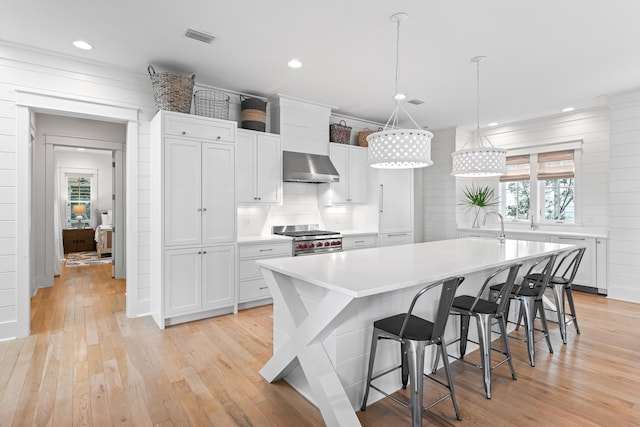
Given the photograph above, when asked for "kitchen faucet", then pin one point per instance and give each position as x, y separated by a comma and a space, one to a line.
484, 221
533, 225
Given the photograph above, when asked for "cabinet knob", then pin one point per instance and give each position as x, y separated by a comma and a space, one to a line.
184, 132
204, 209
199, 252
218, 137
199, 209
204, 252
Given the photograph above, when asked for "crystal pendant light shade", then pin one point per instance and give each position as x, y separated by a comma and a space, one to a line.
397, 148
479, 159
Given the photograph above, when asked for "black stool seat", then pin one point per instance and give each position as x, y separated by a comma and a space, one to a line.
416, 329
465, 302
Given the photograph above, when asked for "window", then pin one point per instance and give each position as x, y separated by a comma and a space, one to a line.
540, 187
78, 212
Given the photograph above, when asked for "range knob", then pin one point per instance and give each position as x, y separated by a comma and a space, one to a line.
305, 246
299, 245
312, 245
326, 243
338, 242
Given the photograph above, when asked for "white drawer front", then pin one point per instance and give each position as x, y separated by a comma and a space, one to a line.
360, 242
253, 289
200, 128
265, 251
249, 269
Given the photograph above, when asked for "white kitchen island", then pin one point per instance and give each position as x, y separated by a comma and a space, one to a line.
325, 305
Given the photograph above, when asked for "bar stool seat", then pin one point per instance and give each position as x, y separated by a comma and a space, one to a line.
414, 334
485, 311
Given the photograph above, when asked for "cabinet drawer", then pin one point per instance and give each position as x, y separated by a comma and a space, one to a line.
248, 269
393, 239
349, 243
265, 250
253, 289
211, 129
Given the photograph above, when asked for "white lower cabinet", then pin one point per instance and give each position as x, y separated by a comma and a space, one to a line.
198, 279
393, 239
586, 275
252, 288
361, 241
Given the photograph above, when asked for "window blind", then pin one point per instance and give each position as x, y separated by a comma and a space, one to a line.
556, 165
518, 169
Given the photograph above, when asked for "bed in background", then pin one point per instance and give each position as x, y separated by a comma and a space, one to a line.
104, 233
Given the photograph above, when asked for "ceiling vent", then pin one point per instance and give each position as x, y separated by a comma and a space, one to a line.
416, 101
200, 36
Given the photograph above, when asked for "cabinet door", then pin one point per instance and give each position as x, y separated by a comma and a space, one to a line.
218, 193
587, 273
182, 192
340, 158
396, 200
246, 168
269, 169
182, 285
357, 175
218, 279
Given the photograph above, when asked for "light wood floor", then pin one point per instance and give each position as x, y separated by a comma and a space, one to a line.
87, 364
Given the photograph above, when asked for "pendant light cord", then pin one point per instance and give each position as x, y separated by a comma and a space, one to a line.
397, 57
478, 106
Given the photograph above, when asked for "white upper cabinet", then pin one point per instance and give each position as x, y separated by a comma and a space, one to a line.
351, 163
259, 168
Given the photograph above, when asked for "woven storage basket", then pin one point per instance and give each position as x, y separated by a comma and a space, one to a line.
362, 136
253, 113
211, 103
339, 132
172, 91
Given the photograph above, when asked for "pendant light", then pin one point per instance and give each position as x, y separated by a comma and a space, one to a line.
481, 158
397, 148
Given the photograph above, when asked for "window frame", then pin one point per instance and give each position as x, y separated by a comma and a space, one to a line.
537, 187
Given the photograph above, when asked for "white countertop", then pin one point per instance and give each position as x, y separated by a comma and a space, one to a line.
593, 234
378, 270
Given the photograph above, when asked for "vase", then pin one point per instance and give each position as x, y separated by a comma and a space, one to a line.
476, 217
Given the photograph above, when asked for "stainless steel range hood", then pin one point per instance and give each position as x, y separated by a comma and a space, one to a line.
305, 167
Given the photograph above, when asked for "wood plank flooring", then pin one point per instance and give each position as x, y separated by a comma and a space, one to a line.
87, 364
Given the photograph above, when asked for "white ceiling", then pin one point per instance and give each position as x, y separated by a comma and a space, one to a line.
542, 55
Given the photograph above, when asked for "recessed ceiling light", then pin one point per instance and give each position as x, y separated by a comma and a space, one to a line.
81, 44
566, 110
399, 96
295, 63
493, 124
80, 149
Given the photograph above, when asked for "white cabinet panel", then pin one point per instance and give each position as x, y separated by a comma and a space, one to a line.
393, 239
359, 242
350, 162
182, 201
218, 280
182, 275
251, 285
396, 200
190, 126
218, 194
259, 168
586, 275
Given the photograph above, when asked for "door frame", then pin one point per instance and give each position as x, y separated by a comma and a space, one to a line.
28, 102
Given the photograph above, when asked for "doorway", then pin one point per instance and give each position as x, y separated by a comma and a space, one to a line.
29, 103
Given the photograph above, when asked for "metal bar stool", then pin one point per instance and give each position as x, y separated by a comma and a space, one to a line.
485, 311
561, 285
414, 334
529, 293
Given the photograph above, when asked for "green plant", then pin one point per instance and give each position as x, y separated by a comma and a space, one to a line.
479, 197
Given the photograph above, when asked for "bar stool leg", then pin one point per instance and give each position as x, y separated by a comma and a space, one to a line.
543, 319
558, 292
372, 356
572, 307
484, 340
452, 393
415, 353
528, 305
405, 367
464, 333
505, 342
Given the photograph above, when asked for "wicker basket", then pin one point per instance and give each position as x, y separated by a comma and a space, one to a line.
211, 103
339, 132
362, 136
172, 91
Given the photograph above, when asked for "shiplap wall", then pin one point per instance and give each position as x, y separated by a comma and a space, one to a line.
438, 186
591, 126
624, 200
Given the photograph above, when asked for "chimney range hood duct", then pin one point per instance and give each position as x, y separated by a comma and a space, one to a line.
304, 167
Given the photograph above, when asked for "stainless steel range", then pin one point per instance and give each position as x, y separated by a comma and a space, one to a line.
308, 239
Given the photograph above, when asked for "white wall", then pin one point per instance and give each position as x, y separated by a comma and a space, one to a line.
624, 197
